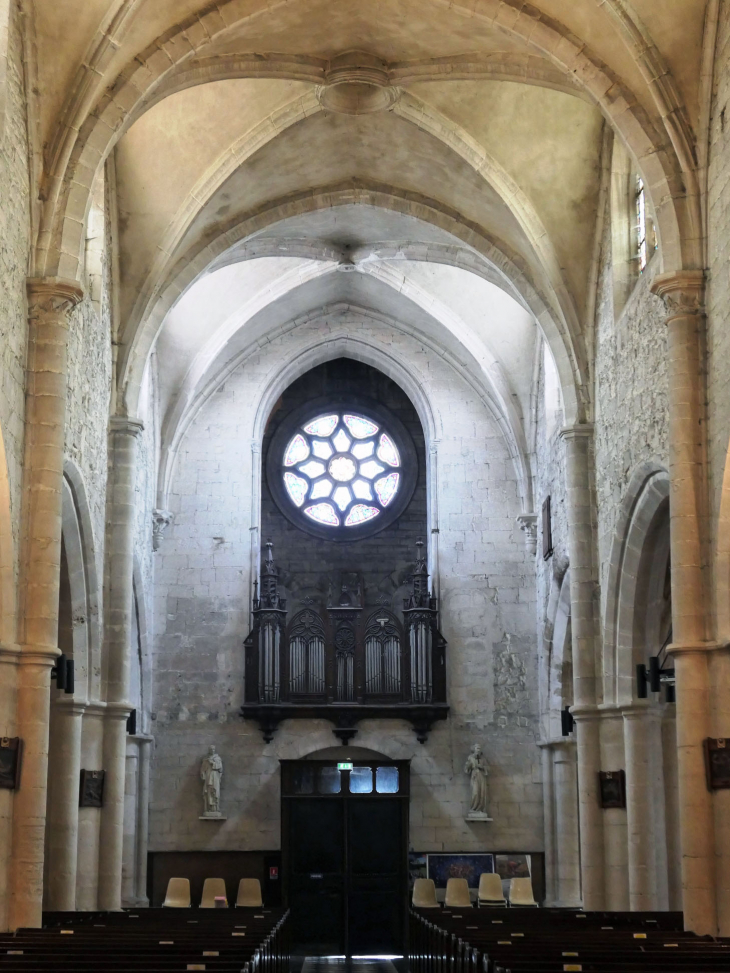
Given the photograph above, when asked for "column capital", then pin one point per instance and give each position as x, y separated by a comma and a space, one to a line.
581, 430
118, 711
9, 652
683, 292
685, 648
127, 425
52, 295
584, 713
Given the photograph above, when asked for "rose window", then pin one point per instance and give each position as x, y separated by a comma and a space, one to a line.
341, 469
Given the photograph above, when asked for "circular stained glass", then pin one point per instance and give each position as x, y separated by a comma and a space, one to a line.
341, 469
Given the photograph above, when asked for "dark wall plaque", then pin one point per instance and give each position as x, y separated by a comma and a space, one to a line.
91, 790
717, 763
547, 530
612, 788
11, 759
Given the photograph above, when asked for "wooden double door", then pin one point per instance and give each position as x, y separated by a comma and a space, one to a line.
345, 856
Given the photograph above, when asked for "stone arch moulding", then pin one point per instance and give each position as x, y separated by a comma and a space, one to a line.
8, 632
78, 541
647, 491
85, 139
196, 262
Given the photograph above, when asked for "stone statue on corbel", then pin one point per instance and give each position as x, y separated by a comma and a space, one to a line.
476, 769
161, 520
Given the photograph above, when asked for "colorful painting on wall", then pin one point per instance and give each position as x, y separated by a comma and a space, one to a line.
443, 867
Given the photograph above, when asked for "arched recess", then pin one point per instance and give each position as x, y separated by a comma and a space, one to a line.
7, 558
83, 590
638, 569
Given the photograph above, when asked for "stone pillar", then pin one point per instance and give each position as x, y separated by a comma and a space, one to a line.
129, 853
583, 583
615, 850
143, 806
63, 806
8, 687
50, 302
87, 859
548, 806
120, 542
567, 840
644, 808
683, 295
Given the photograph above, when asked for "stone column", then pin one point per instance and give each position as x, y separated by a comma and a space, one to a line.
566, 824
645, 808
50, 302
615, 851
87, 859
143, 806
548, 806
8, 687
129, 853
583, 583
683, 295
63, 806
120, 543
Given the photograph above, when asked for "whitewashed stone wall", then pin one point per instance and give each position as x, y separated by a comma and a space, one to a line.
202, 585
14, 248
718, 298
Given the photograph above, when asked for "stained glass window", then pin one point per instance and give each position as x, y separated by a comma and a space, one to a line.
387, 487
359, 514
296, 487
323, 426
359, 427
331, 459
387, 451
323, 513
297, 450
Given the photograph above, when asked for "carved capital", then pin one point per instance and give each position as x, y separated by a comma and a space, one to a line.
161, 520
52, 297
683, 293
528, 525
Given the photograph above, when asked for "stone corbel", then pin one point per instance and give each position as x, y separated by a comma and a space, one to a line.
528, 525
161, 520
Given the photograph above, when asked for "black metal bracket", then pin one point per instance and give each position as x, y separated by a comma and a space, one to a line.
657, 675
345, 716
63, 673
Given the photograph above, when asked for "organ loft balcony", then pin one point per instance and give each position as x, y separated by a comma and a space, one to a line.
342, 661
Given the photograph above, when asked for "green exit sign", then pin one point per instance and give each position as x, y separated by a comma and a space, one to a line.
345, 765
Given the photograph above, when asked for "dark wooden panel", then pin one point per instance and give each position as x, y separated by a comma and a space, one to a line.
231, 866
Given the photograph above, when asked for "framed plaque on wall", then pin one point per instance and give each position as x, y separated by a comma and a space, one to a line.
612, 788
717, 763
91, 788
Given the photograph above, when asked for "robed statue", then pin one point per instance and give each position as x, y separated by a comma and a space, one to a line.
476, 768
211, 772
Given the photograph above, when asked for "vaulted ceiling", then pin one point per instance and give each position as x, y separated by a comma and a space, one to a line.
440, 163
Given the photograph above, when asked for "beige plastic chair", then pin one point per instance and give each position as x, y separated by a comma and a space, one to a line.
249, 894
457, 894
178, 894
490, 890
520, 893
424, 894
211, 888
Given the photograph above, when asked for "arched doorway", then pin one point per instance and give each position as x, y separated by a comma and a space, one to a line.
344, 829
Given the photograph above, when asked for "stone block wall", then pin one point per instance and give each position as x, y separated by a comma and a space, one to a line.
718, 295
14, 249
202, 585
